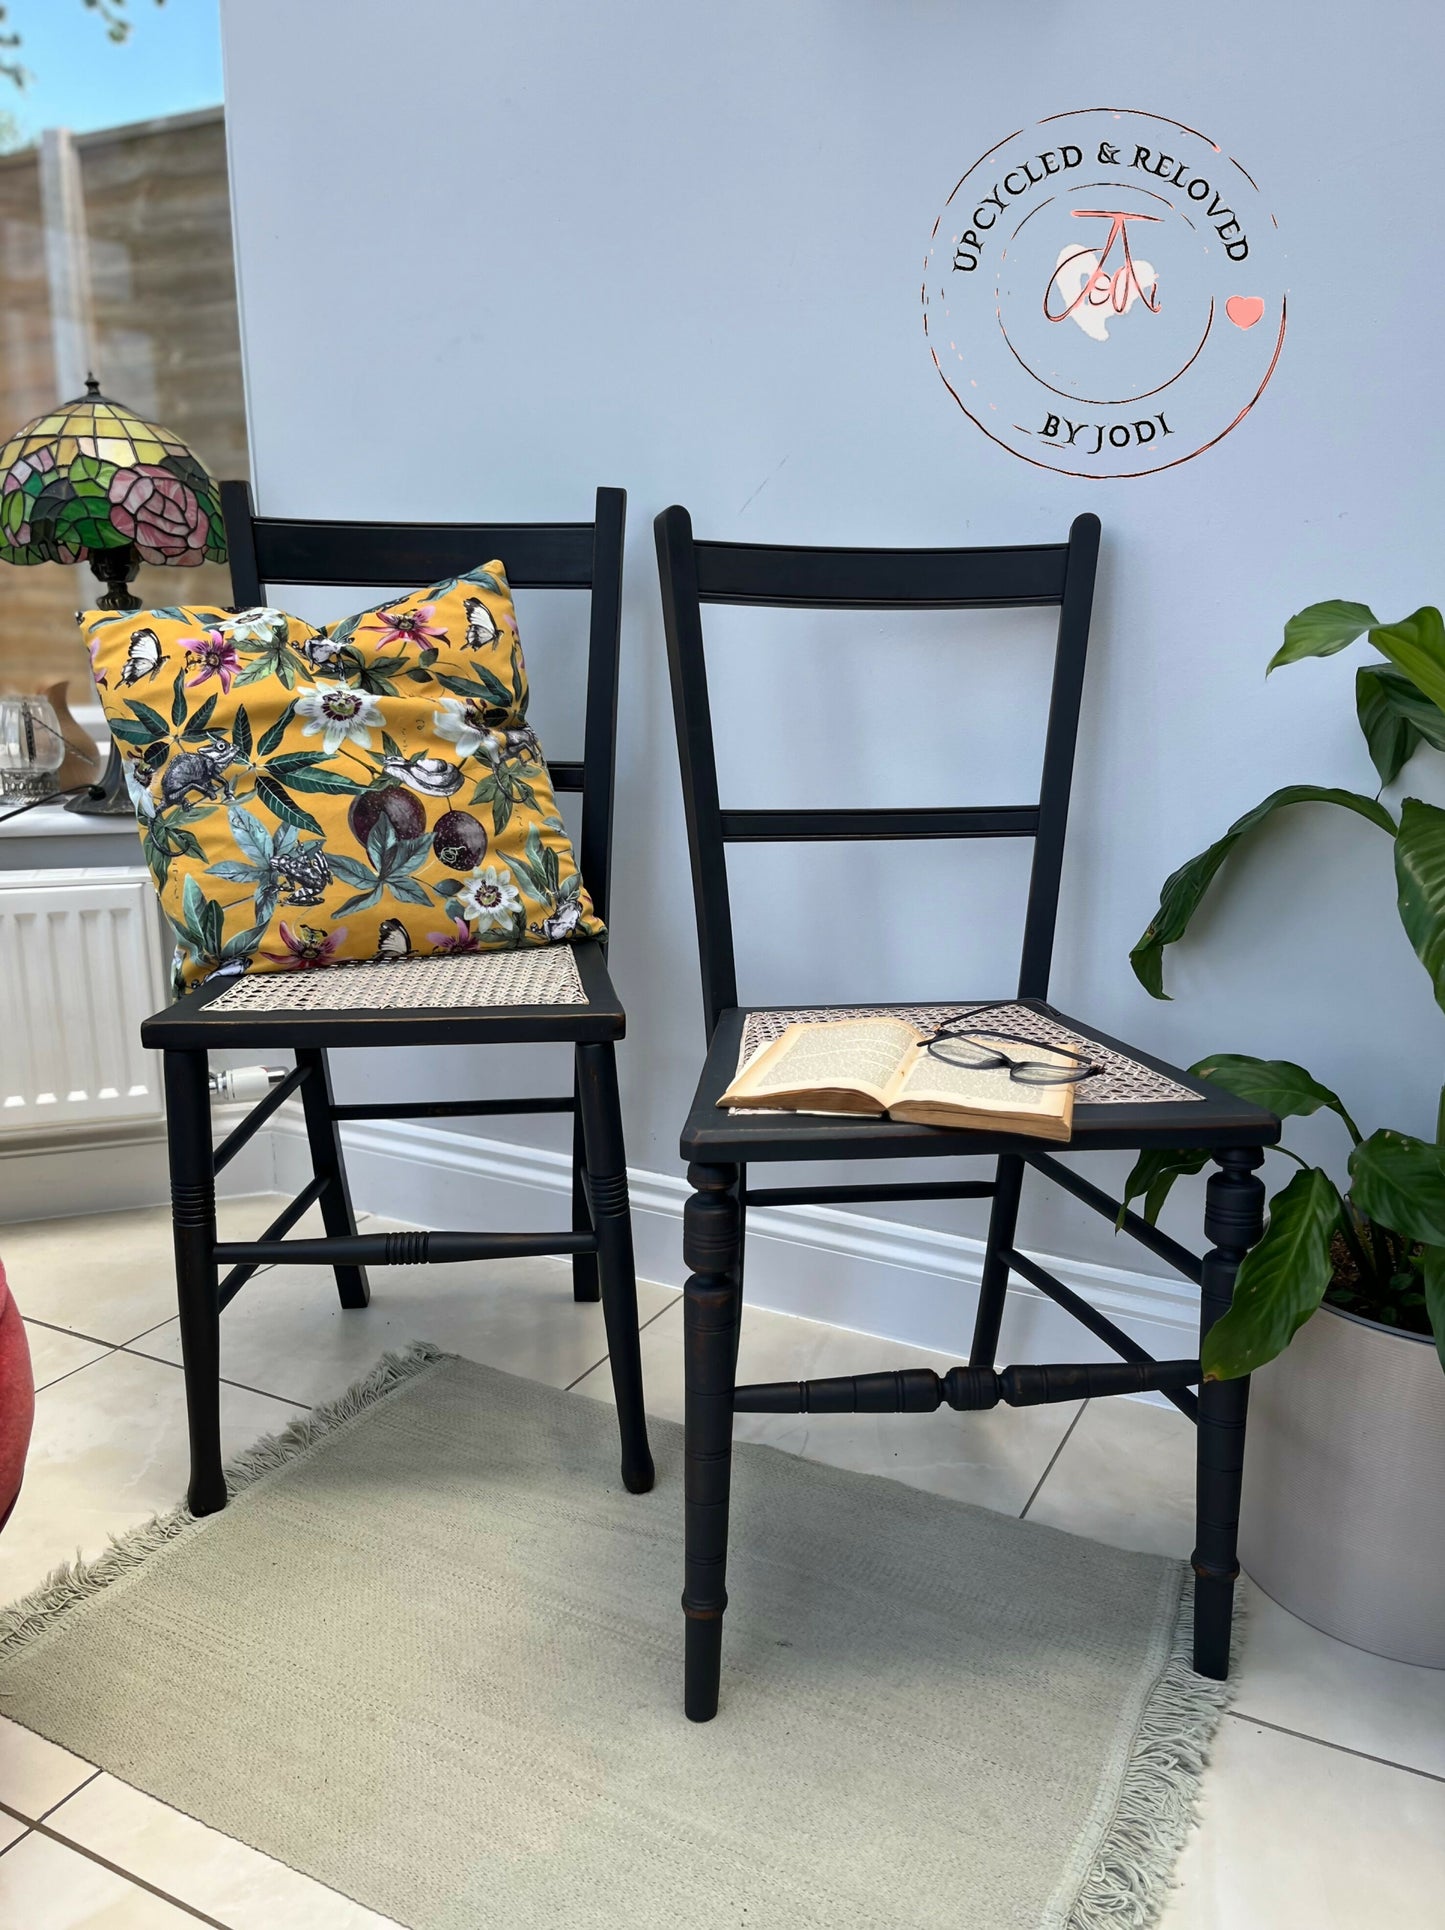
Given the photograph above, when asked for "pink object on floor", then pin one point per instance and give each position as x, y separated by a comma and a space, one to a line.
17, 1400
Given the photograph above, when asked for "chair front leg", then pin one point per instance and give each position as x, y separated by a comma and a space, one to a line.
611, 1219
1233, 1221
993, 1286
710, 1323
585, 1285
193, 1220
324, 1138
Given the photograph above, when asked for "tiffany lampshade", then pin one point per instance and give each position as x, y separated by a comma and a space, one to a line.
92, 479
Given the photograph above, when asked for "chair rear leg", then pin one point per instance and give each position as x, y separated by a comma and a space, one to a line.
739, 1192
585, 1284
993, 1286
601, 1116
324, 1138
1233, 1221
193, 1220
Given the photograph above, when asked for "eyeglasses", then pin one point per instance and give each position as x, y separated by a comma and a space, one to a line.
959, 1042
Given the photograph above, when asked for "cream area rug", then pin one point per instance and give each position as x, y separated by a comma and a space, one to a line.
431, 1654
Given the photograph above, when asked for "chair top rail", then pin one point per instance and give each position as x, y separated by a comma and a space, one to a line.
787, 576
536, 555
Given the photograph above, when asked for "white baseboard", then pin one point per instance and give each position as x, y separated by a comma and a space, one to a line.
881, 1277
105, 1173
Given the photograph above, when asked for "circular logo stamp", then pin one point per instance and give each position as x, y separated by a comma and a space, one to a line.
1103, 293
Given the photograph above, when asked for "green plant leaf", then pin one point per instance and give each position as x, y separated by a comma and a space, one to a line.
1185, 888
409, 891
1432, 1275
1389, 734
178, 699
351, 872
1321, 630
271, 738
285, 807
126, 730
1420, 876
1399, 1182
1153, 1174
241, 731
1416, 645
1278, 1085
1280, 1282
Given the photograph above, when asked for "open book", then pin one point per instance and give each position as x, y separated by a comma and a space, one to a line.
878, 1065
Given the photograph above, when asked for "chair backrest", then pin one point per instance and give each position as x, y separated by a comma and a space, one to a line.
784, 577
268, 550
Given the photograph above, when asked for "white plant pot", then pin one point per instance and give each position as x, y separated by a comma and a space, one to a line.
1343, 1519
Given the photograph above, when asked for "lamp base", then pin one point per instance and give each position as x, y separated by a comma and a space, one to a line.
116, 568
107, 799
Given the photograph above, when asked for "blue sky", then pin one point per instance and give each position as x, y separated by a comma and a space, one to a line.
170, 64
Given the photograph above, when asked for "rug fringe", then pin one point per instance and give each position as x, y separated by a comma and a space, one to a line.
77, 1582
1131, 1874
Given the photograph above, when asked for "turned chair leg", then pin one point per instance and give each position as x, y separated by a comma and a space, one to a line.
324, 1138
1233, 1221
193, 1219
993, 1286
710, 1324
611, 1218
585, 1284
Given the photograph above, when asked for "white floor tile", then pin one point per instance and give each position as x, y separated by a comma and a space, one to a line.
10, 1832
45, 1886
54, 1354
1126, 1476
34, 1774
1296, 1836
287, 1333
993, 1458
112, 1275
109, 1450
199, 1866
1297, 1678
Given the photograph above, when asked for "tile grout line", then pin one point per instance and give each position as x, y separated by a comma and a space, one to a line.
642, 1329
159, 1360
1341, 1748
1053, 1458
104, 1862
71, 1372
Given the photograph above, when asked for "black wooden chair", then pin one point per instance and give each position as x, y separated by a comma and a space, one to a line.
721, 1146
573, 556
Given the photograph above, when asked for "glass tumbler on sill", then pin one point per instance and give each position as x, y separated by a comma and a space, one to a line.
32, 749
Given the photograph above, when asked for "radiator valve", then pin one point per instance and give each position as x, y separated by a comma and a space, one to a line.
245, 1082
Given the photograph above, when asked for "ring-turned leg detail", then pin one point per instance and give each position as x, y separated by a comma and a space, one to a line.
1233, 1222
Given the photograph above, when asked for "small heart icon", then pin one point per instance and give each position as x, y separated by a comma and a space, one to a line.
1244, 310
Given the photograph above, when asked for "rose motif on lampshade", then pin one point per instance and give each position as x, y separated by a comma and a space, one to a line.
92, 476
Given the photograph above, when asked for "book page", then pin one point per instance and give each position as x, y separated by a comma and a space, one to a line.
857, 1054
927, 1077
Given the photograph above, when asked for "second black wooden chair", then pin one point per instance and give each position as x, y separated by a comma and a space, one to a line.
722, 1146
267, 551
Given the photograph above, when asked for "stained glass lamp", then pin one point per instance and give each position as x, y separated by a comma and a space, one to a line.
93, 480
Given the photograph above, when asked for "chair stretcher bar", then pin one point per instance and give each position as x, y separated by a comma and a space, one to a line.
918, 1390
407, 1249
256, 1118
1170, 1251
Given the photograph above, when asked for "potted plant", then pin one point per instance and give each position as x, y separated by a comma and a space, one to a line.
1344, 1506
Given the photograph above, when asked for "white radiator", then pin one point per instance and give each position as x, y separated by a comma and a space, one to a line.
81, 964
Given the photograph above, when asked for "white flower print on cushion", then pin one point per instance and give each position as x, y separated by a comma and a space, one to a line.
463, 722
488, 899
339, 715
255, 626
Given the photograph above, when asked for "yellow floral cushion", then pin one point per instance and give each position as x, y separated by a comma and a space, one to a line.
370, 789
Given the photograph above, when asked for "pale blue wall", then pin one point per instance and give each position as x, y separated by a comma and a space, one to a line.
490, 256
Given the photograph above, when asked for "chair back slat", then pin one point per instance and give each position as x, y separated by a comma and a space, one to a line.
268, 551
782, 576
779, 576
